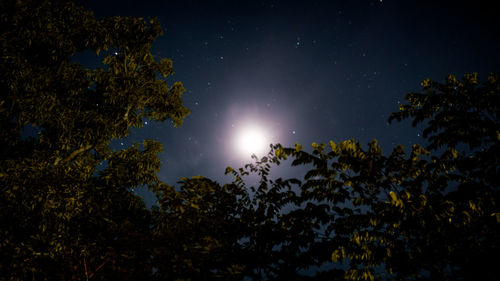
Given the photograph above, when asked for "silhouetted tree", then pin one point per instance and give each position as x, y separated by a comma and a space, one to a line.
197, 228
428, 213
64, 216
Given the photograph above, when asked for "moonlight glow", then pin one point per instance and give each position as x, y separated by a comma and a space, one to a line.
252, 140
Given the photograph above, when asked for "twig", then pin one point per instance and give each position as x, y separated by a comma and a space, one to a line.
99, 267
72, 155
85, 266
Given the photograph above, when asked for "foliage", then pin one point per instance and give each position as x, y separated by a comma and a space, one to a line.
428, 213
420, 213
68, 211
66, 206
196, 228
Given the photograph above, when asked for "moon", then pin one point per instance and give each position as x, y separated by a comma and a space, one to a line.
252, 139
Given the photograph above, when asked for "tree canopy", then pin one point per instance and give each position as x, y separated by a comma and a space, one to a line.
62, 216
68, 209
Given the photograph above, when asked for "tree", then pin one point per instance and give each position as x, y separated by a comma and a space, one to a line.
67, 209
197, 228
428, 213
419, 213
205, 231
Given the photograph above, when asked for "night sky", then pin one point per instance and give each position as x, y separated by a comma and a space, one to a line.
302, 71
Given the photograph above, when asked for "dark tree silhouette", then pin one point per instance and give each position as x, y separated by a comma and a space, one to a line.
430, 213
417, 213
62, 217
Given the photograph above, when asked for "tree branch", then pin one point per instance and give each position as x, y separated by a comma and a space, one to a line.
72, 155
97, 269
85, 265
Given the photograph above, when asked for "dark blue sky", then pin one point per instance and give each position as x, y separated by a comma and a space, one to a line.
304, 71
